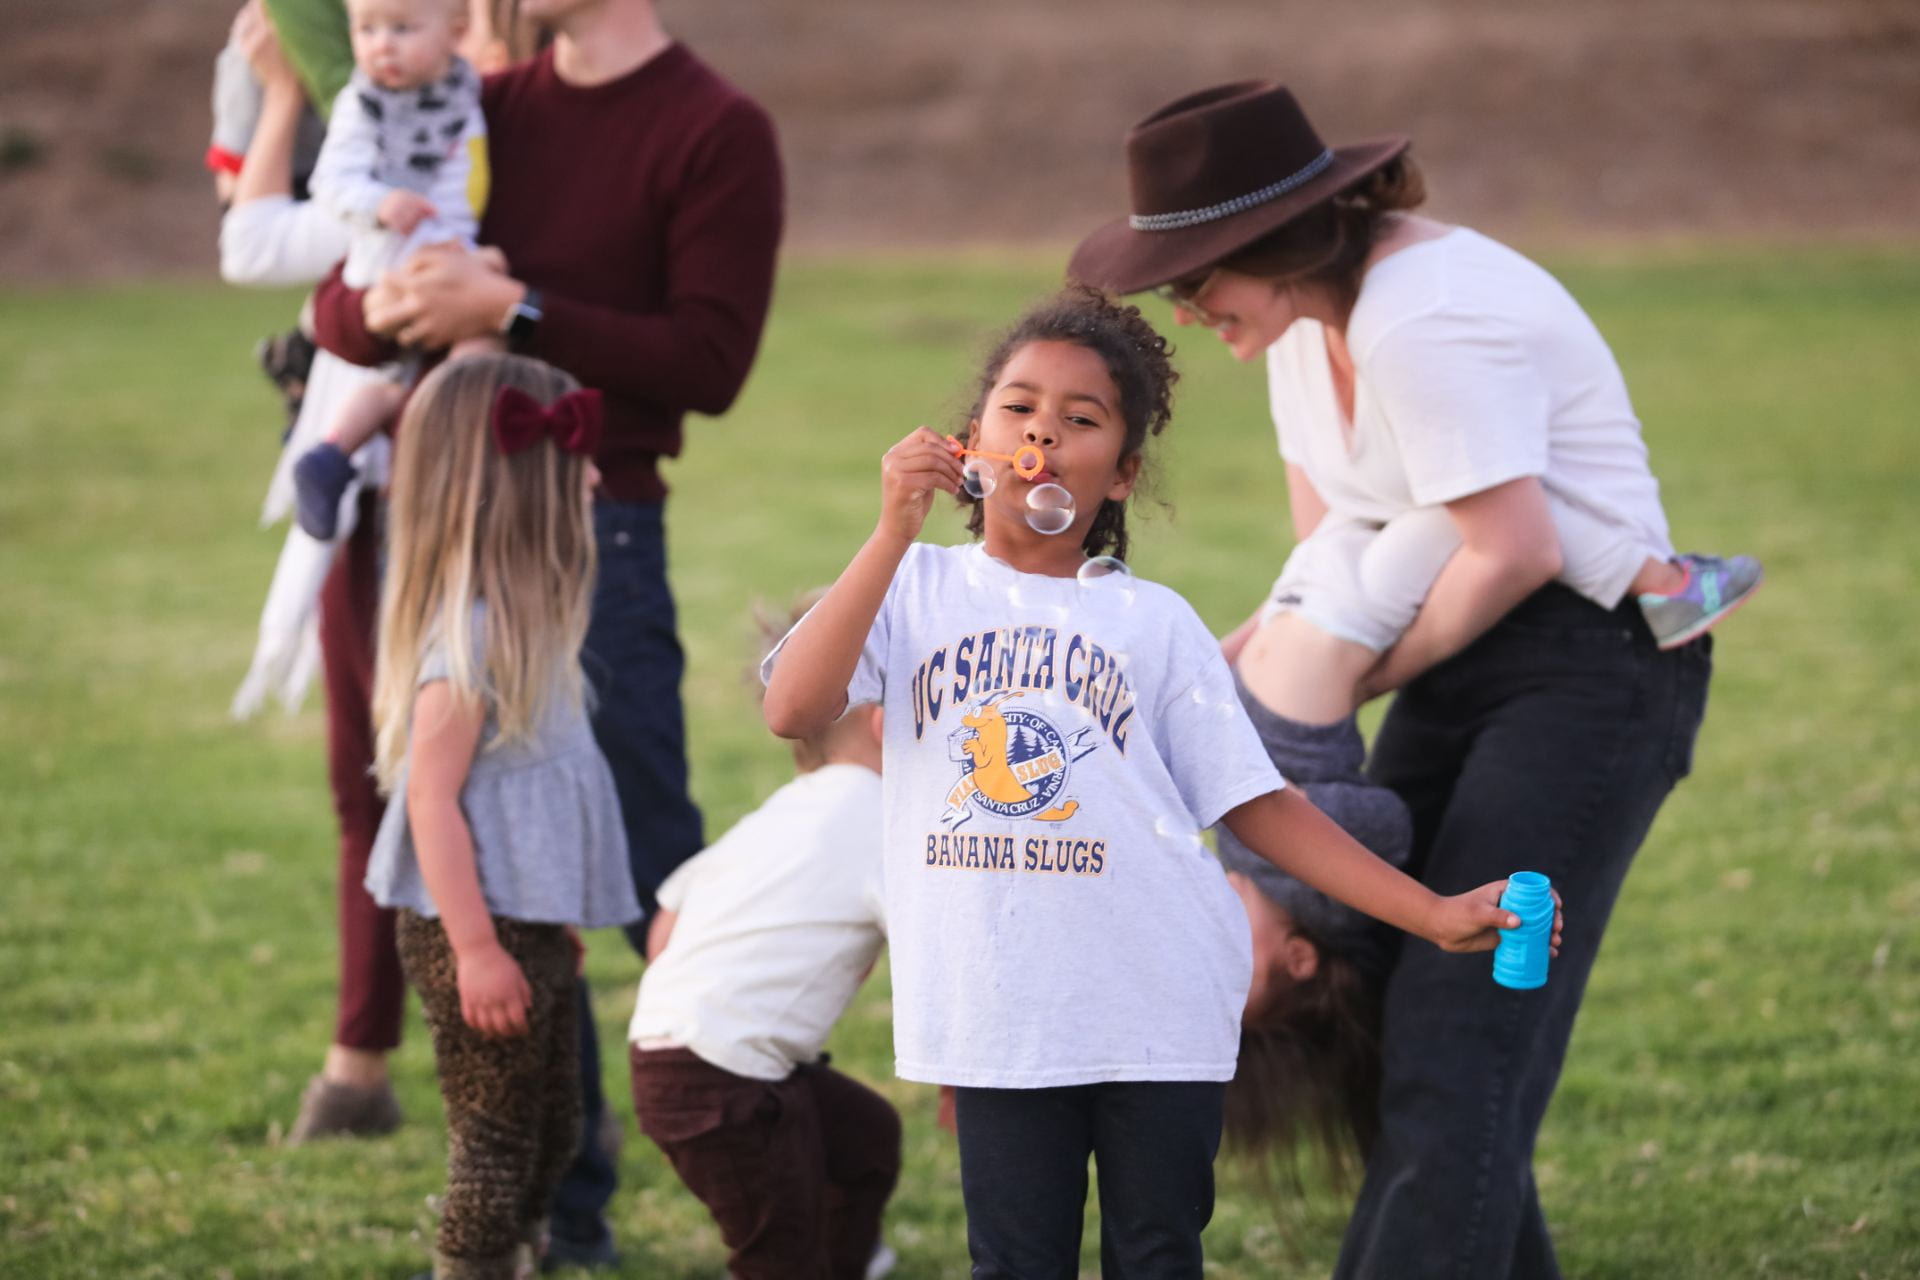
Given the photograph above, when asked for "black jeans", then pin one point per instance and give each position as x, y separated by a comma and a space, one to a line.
1023, 1173
633, 662
1547, 745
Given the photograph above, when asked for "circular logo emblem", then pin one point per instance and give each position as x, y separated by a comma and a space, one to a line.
1036, 763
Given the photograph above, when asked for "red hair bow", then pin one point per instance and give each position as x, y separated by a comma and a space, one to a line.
572, 422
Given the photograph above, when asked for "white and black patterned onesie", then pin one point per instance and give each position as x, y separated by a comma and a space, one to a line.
431, 140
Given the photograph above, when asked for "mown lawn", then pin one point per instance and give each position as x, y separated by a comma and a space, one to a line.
1743, 1095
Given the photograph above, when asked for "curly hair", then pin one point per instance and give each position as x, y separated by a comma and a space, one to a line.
1138, 360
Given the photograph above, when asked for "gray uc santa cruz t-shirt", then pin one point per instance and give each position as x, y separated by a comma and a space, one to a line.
1053, 750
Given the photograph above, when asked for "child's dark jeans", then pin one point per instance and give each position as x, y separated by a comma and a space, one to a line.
796, 1172
1023, 1171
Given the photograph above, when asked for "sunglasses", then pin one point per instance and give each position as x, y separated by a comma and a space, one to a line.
1183, 293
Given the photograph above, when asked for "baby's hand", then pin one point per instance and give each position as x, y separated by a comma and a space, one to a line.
402, 210
909, 474
1472, 921
494, 995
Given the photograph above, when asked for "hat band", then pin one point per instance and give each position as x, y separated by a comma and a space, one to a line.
1239, 204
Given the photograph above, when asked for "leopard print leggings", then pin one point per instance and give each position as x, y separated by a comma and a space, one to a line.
513, 1104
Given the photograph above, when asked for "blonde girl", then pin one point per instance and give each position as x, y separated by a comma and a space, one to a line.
509, 837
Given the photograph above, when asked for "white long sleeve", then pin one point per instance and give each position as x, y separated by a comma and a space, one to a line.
277, 240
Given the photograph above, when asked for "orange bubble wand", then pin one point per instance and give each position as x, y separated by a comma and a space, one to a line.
1027, 460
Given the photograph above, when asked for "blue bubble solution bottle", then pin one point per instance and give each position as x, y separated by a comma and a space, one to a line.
1520, 961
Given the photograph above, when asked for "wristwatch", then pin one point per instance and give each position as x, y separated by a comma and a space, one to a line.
523, 320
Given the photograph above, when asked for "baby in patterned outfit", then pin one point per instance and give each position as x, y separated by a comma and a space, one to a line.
404, 165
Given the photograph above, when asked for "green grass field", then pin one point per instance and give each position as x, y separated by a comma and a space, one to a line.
1743, 1094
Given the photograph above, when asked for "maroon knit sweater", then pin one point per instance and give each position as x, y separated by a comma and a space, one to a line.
646, 211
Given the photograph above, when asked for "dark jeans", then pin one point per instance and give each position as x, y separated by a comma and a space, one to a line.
796, 1172
1023, 1172
633, 662
1547, 745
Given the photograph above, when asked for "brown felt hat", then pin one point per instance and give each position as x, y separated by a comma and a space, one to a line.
1210, 174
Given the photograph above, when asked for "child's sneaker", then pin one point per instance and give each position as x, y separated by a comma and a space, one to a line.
1714, 589
320, 478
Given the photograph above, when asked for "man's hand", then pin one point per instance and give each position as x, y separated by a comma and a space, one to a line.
452, 292
386, 306
402, 210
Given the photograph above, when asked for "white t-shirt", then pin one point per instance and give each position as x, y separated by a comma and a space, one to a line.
1472, 367
1053, 751
779, 920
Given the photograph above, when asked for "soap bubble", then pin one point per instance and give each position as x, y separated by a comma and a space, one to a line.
1108, 575
1049, 509
976, 476
1219, 708
1180, 832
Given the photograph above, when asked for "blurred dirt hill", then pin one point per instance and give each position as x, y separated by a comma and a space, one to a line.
992, 121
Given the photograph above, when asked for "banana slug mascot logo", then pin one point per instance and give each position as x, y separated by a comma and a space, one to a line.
1014, 763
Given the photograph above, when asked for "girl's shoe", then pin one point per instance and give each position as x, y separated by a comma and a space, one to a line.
331, 1109
1714, 589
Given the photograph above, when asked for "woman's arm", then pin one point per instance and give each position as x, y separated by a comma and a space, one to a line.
1304, 501
1284, 828
268, 167
1509, 549
494, 994
807, 689
266, 237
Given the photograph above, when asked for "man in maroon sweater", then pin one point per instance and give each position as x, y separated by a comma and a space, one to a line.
637, 197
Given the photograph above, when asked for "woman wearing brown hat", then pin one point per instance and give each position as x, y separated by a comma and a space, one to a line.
1478, 529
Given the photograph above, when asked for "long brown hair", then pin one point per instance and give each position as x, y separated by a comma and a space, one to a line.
468, 523
1329, 243
1308, 1080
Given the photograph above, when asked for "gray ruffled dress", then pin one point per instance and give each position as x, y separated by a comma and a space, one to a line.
547, 837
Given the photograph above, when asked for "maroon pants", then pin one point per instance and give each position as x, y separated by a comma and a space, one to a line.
796, 1172
372, 990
